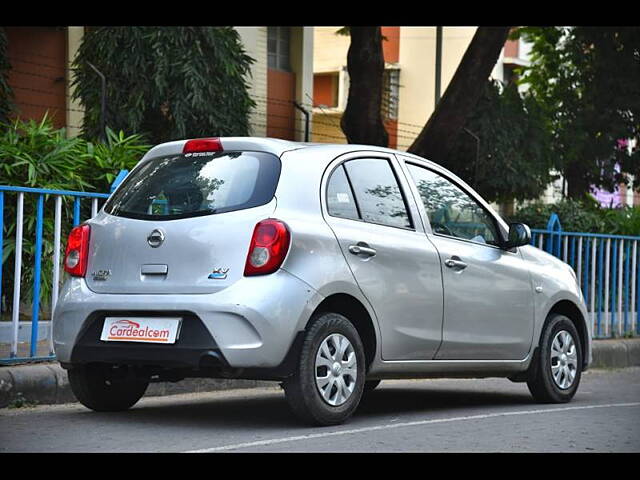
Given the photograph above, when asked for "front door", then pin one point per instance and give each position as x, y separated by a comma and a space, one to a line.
488, 300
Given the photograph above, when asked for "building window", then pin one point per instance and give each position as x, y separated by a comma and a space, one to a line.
278, 48
325, 89
390, 94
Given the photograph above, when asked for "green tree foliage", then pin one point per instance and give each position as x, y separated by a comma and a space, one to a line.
587, 80
166, 82
6, 105
514, 157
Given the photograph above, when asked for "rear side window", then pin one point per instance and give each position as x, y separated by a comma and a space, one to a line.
340, 202
179, 186
377, 192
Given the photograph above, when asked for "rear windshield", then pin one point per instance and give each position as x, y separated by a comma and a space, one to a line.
179, 186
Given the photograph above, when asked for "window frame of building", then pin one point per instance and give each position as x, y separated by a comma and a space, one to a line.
279, 48
390, 93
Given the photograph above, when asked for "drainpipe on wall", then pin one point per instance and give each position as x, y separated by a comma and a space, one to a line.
306, 120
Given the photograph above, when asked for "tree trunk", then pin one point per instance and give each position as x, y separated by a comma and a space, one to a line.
464, 90
362, 119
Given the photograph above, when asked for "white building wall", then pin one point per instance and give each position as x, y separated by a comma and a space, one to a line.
75, 112
302, 65
254, 40
417, 74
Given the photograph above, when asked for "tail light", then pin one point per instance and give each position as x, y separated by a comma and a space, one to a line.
268, 247
202, 145
77, 253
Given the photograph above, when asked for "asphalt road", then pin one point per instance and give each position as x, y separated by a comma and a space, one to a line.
448, 415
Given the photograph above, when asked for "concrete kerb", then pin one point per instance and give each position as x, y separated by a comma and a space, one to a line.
618, 353
47, 383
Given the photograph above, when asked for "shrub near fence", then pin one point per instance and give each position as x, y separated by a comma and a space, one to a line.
54, 173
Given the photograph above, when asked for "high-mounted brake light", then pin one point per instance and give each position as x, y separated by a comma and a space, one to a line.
202, 145
269, 245
77, 253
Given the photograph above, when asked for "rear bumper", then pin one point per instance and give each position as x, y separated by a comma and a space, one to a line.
194, 349
251, 324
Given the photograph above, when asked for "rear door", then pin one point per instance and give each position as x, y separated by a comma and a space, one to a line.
181, 223
396, 269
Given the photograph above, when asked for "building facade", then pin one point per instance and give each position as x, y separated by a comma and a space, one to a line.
41, 76
410, 83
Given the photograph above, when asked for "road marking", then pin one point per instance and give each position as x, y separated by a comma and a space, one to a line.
312, 436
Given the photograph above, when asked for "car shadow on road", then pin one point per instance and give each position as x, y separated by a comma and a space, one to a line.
268, 409
386, 400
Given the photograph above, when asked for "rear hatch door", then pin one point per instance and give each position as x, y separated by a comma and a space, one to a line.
181, 223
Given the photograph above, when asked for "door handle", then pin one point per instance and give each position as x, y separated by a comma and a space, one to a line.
455, 263
363, 250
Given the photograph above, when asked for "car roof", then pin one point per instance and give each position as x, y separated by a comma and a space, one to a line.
271, 145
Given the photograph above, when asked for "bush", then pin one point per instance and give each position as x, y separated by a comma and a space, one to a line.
164, 81
581, 216
35, 154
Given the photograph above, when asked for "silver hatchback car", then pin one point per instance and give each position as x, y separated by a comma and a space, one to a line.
325, 267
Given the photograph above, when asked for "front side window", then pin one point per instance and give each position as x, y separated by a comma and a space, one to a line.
377, 192
452, 211
179, 186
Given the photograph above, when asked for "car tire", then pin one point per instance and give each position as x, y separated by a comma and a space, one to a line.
322, 390
97, 388
557, 370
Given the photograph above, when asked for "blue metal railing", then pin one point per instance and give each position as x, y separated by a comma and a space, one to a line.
41, 197
607, 268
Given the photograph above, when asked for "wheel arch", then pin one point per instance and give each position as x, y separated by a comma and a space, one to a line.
357, 313
573, 313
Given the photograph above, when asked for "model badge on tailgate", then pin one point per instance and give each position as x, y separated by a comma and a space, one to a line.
219, 274
101, 275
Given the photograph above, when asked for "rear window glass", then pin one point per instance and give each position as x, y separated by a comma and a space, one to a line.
180, 186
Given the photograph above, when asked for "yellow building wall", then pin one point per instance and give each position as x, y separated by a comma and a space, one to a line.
417, 74
329, 49
326, 128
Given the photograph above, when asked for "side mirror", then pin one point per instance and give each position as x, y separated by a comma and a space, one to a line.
519, 234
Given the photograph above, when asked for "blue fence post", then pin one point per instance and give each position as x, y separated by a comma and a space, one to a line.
626, 285
76, 211
613, 285
36, 276
600, 285
586, 271
1, 241
118, 180
554, 242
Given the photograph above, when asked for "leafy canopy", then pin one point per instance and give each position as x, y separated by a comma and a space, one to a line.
166, 82
587, 80
514, 157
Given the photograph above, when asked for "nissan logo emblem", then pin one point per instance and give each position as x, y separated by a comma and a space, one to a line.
155, 238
